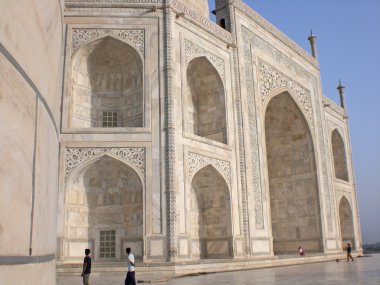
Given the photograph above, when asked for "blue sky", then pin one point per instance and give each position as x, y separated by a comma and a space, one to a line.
348, 42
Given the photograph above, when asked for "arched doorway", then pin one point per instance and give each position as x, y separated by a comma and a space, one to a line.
205, 108
292, 174
346, 223
107, 86
339, 154
210, 216
104, 208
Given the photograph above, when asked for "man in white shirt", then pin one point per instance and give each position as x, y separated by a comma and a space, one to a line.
130, 279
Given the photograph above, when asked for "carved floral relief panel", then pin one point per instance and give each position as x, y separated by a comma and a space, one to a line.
197, 161
133, 37
271, 79
134, 156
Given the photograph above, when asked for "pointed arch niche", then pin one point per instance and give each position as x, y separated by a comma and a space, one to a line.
107, 86
346, 223
206, 107
104, 207
339, 155
210, 215
292, 175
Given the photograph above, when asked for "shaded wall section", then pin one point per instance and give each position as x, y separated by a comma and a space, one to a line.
107, 195
339, 154
206, 109
107, 79
346, 223
292, 178
210, 215
31, 34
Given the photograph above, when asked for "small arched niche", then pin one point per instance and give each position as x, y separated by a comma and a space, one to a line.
104, 207
206, 108
107, 86
293, 188
346, 223
210, 218
339, 154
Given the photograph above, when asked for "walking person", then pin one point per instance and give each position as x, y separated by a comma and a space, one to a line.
130, 279
349, 249
86, 271
301, 251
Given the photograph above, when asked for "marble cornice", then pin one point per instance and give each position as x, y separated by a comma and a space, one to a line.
111, 3
261, 21
121, 7
333, 106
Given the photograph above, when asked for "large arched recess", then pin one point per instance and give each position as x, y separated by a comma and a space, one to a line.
206, 107
104, 207
292, 175
346, 222
210, 215
107, 85
339, 154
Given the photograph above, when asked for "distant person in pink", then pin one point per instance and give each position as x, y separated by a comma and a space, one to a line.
301, 251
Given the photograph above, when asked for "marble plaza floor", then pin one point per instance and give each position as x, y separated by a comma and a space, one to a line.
364, 270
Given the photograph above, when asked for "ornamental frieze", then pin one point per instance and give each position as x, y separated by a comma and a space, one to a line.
112, 1
270, 79
192, 50
256, 190
196, 161
134, 156
133, 37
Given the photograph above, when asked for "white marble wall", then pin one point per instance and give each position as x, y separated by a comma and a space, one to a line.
191, 69
31, 52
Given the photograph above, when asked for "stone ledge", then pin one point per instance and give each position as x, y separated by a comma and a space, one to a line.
165, 271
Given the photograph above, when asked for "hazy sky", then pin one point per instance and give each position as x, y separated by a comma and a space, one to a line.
348, 46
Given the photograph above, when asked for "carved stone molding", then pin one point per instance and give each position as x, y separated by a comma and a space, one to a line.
270, 79
170, 109
100, 11
111, 1
133, 37
134, 156
256, 191
192, 50
196, 161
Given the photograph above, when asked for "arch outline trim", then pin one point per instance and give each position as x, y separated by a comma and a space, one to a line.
273, 82
77, 158
193, 51
196, 162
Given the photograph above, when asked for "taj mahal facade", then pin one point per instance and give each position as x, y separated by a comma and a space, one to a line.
147, 125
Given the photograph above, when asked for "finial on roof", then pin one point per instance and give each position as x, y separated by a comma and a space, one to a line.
313, 43
341, 94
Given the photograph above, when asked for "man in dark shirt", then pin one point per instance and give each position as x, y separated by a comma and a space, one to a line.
349, 249
86, 267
